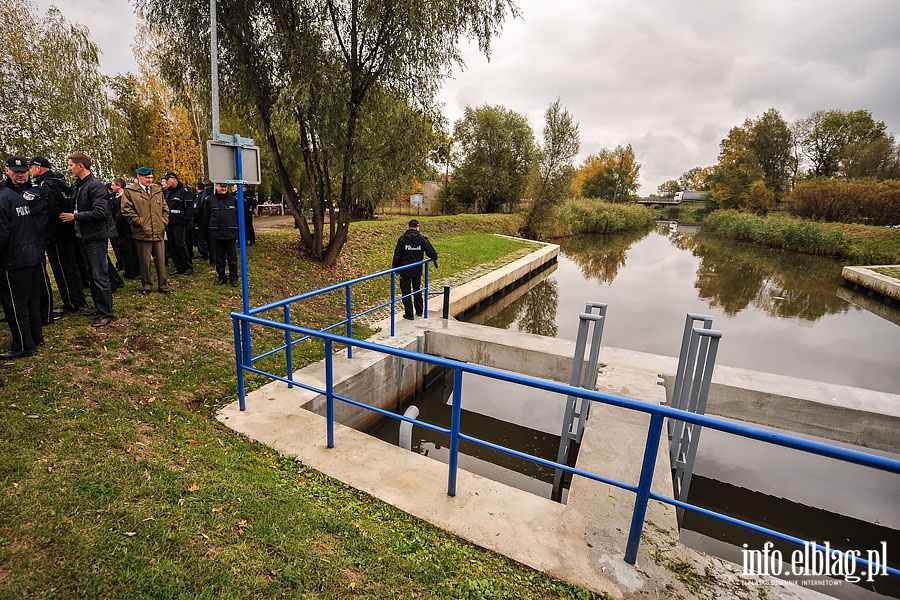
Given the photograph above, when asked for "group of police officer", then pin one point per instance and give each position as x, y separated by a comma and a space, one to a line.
73, 226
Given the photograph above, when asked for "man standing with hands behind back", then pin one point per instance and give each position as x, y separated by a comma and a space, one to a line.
412, 248
145, 208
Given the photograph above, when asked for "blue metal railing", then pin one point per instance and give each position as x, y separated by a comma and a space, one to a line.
346, 286
642, 491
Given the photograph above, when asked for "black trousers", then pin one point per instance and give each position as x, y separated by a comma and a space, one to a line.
62, 254
126, 255
407, 286
46, 294
225, 250
20, 294
176, 245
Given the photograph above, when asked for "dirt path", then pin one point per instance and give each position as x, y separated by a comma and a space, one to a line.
273, 223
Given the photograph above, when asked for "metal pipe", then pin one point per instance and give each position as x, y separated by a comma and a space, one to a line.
214, 67
406, 428
445, 314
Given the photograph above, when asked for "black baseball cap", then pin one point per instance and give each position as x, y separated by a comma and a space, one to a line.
170, 175
414, 223
17, 164
40, 161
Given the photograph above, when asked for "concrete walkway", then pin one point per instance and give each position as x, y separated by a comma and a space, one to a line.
583, 541
868, 278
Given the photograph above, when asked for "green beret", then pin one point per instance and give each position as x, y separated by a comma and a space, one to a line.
144, 171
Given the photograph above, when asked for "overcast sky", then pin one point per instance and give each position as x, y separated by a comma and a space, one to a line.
669, 77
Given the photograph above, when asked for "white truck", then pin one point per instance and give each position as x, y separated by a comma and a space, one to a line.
689, 196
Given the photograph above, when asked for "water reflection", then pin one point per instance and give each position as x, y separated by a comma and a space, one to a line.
535, 312
601, 256
780, 311
783, 284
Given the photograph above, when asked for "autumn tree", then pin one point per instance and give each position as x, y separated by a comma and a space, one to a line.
306, 70
51, 87
770, 141
610, 174
847, 144
555, 170
496, 149
736, 169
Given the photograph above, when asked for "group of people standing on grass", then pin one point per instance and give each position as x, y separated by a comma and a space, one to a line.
74, 226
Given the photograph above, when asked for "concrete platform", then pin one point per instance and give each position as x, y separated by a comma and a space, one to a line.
583, 541
866, 277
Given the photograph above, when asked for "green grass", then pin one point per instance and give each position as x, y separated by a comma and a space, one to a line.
117, 482
859, 244
889, 271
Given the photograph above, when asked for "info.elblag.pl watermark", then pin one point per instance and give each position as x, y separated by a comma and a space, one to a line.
815, 561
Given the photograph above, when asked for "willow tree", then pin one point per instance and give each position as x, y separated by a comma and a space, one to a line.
306, 72
51, 87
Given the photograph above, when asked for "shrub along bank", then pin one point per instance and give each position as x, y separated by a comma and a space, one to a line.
117, 482
578, 216
859, 244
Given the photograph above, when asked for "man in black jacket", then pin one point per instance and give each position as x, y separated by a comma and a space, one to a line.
62, 246
412, 248
223, 232
181, 208
92, 219
20, 272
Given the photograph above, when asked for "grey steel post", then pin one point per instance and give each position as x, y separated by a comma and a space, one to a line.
214, 68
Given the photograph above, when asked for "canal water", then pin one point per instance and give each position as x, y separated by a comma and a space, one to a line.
780, 312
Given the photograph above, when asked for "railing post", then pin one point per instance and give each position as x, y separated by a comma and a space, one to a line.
239, 363
393, 299
288, 350
329, 392
425, 297
446, 309
349, 303
643, 491
454, 431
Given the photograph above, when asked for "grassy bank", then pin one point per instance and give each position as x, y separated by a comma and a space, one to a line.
859, 244
579, 216
117, 482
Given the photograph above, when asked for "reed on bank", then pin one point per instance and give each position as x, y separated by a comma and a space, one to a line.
860, 244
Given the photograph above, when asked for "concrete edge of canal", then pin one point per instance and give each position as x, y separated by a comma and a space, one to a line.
582, 541
870, 279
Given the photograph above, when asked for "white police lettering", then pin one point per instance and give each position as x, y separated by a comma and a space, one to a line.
23, 210
419, 247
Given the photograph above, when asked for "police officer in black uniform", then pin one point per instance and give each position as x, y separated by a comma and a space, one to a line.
20, 259
181, 208
412, 248
20, 182
223, 232
62, 246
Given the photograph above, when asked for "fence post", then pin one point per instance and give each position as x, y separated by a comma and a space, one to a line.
393, 299
349, 303
329, 392
289, 349
445, 313
239, 363
643, 491
454, 431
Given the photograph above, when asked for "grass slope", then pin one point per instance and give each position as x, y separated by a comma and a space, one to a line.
117, 482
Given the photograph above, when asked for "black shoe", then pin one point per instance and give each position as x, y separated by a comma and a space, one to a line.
410, 317
165, 291
11, 354
188, 272
51, 322
103, 321
146, 292
220, 282
59, 312
233, 283
418, 314
92, 313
